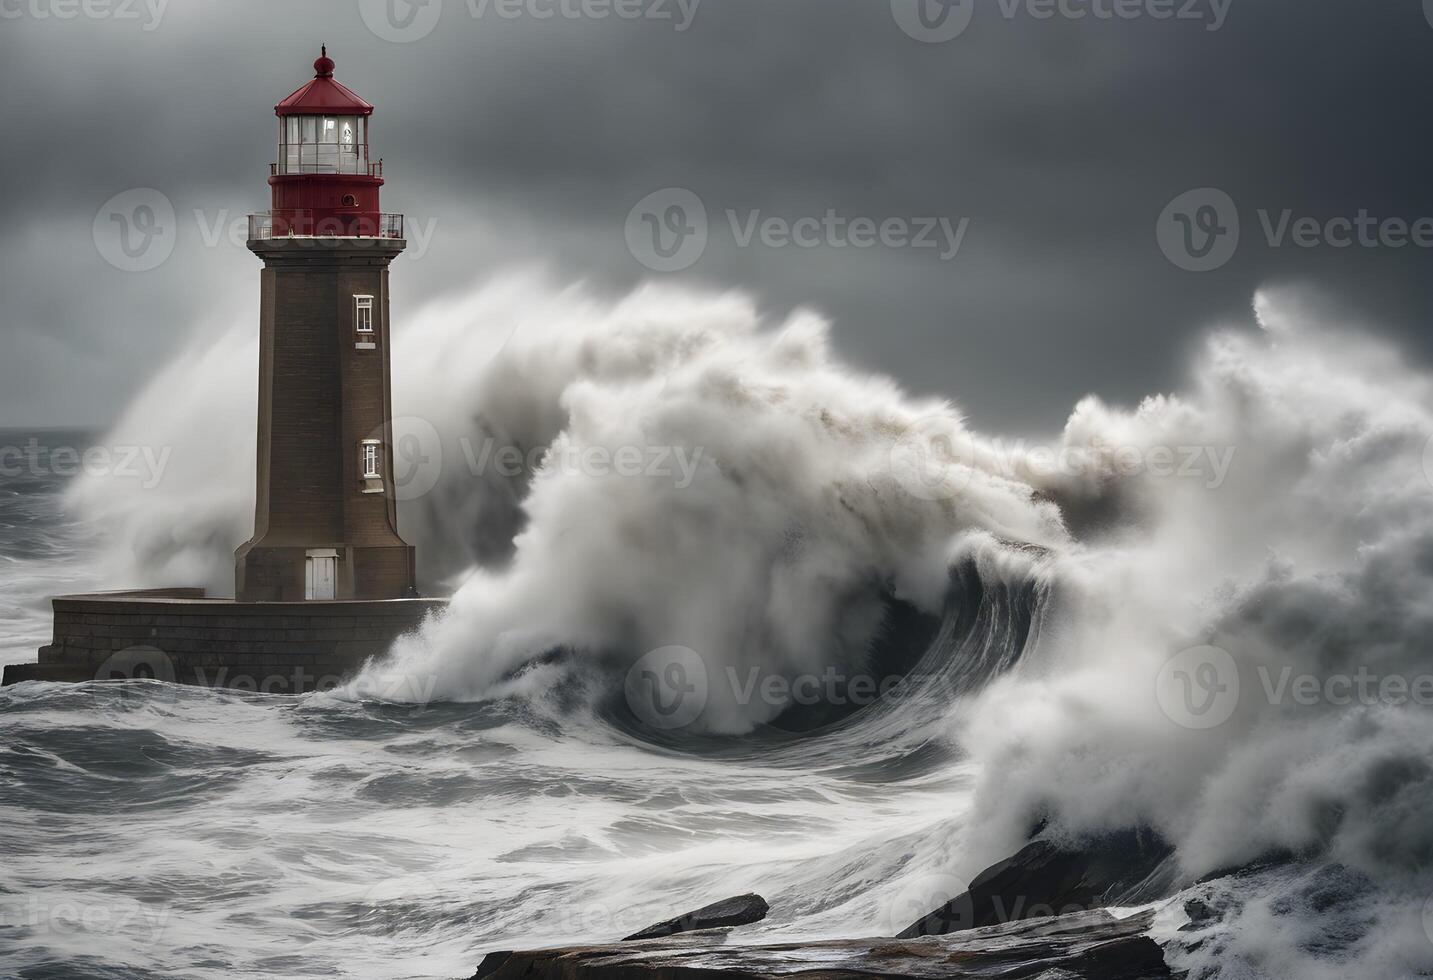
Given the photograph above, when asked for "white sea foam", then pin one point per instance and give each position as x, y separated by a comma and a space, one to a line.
818, 492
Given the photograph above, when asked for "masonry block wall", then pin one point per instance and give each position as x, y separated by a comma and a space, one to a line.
324, 389
178, 635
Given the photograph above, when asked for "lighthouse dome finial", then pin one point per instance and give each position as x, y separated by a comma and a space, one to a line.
323, 66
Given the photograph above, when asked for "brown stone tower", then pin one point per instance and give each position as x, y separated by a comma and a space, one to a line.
325, 518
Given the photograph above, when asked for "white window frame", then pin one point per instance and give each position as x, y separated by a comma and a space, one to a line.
363, 323
370, 457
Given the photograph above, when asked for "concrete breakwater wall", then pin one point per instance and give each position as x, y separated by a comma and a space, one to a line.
179, 635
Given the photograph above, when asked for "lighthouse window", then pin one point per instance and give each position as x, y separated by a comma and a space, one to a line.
363, 313
323, 144
370, 461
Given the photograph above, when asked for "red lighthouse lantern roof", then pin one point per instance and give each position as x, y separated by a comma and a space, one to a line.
323, 96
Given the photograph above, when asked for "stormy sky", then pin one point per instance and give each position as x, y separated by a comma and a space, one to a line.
517, 132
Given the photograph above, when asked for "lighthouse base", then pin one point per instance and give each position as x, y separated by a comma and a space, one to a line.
265, 573
179, 635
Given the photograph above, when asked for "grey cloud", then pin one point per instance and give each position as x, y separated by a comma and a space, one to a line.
529, 140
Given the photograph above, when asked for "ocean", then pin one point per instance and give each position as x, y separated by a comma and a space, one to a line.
848, 657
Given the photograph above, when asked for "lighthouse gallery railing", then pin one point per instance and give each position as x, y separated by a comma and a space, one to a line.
382, 225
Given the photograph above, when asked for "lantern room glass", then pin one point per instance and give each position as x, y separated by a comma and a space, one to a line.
323, 145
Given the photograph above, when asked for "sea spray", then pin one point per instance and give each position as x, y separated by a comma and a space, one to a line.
821, 494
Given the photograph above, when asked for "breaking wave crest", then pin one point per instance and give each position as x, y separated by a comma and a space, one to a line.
784, 516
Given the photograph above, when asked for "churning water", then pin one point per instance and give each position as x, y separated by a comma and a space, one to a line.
1121, 628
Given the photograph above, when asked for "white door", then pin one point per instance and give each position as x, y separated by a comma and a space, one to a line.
319, 575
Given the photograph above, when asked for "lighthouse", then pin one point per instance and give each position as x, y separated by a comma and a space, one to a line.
325, 584
325, 516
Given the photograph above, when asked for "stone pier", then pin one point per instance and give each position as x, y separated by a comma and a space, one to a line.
179, 635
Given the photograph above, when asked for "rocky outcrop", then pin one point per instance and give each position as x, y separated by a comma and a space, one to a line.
739, 911
726, 914
1041, 913
1045, 879
1094, 945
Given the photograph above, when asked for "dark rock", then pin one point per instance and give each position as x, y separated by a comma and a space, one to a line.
1200, 913
739, 911
1093, 945
491, 964
1045, 879
1278, 858
899, 644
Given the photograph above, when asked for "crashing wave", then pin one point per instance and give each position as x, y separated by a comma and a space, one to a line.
1276, 512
